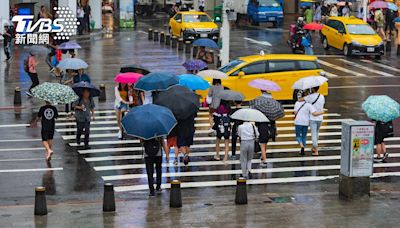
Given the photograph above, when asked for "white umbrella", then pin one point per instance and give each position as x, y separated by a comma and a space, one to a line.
215, 74
248, 114
72, 64
309, 82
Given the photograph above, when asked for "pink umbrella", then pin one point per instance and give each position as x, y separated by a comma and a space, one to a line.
378, 5
265, 85
128, 77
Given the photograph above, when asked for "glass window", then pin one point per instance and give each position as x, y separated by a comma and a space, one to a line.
308, 65
340, 27
332, 24
360, 29
281, 65
255, 68
269, 3
196, 18
178, 17
230, 66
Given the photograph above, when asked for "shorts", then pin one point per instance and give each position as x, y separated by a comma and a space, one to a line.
47, 135
121, 106
185, 140
226, 134
172, 141
267, 132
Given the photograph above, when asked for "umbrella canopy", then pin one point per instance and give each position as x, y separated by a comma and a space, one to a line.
344, 3
215, 74
193, 82
229, 95
156, 81
392, 6
39, 50
54, 93
330, 2
134, 69
128, 77
309, 82
265, 85
80, 86
271, 108
313, 26
72, 64
149, 121
378, 5
69, 45
305, 4
205, 42
180, 100
382, 108
251, 115
196, 64
396, 20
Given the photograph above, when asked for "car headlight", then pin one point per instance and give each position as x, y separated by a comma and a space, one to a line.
356, 43
381, 43
215, 30
190, 30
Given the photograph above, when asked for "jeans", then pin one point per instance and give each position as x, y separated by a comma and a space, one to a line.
301, 134
315, 126
246, 154
308, 51
150, 162
83, 127
35, 80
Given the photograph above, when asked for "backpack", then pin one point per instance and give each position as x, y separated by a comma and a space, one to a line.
26, 65
152, 147
225, 120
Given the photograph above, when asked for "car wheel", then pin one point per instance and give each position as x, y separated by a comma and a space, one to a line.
325, 43
275, 24
169, 30
252, 22
346, 50
297, 94
378, 57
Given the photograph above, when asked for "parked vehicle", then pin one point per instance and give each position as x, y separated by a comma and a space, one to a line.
257, 11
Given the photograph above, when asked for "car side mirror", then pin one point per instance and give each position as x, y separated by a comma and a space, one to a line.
179, 21
341, 31
241, 74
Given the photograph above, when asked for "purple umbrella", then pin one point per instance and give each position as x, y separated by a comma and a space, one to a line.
378, 5
265, 85
69, 45
196, 65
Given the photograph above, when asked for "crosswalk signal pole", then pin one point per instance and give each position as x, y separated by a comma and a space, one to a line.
225, 34
365, 9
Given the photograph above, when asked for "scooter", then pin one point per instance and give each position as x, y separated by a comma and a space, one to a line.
295, 42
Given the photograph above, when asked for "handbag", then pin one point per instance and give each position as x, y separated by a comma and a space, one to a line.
257, 147
208, 100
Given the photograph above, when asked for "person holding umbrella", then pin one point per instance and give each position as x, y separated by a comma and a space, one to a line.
30, 68
222, 125
121, 104
81, 76
48, 113
186, 131
212, 101
204, 55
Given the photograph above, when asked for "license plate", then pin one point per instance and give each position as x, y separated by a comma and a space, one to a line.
370, 49
203, 35
271, 18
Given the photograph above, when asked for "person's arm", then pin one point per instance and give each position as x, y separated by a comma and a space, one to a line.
208, 58
314, 112
92, 108
118, 97
164, 145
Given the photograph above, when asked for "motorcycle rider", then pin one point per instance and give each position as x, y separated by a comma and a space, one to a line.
295, 40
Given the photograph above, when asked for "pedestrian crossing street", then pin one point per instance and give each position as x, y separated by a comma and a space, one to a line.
121, 161
357, 67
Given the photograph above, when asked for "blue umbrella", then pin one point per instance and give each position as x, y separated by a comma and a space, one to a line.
156, 81
149, 121
193, 82
382, 108
305, 4
72, 64
204, 42
80, 86
396, 20
69, 45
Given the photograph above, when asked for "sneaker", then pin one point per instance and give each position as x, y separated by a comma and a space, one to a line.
29, 94
78, 142
158, 190
217, 158
378, 160
87, 147
233, 157
119, 135
186, 160
302, 151
175, 161
263, 164
250, 175
151, 194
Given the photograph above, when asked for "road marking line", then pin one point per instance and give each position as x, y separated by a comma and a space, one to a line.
265, 43
20, 140
21, 149
363, 86
26, 159
366, 68
381, 65
28, 170
336, 67
14, 125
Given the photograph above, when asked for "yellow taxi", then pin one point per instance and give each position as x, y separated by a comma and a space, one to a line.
191, 25
284, 69
351, 35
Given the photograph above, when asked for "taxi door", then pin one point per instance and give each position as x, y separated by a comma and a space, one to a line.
284, 73
176, 24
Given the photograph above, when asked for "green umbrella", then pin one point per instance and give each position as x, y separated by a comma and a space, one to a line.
54, 93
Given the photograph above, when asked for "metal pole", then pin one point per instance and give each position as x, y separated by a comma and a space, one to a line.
365, 10
225, 34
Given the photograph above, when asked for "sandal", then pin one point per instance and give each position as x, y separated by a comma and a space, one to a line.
217, 158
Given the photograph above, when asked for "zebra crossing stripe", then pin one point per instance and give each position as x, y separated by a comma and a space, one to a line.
366, 68
336, 67
381, 65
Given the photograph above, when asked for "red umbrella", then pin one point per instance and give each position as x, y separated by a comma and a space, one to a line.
313, 26
128, 78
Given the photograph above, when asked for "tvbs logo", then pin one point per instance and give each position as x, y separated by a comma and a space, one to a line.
43, 25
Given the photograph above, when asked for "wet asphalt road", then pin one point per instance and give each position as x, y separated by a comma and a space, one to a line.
72, 178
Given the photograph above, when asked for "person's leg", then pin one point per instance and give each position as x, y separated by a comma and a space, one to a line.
79, 130
304, 130
226, 142
87, 133
298, 135
46, 146
35, 81
158, 161
243, 158
263, 147
118, 114
250, 155
217, 148
150, 172
234, 141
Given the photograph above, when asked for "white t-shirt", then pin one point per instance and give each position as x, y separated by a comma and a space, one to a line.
303, 113
248, 131
148, 98
318, 105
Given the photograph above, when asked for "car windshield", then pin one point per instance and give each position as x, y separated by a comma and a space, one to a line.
230, 66
360, 29
196, 18
272, 3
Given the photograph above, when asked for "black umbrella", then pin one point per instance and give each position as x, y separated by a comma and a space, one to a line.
271, 108
180, 100
80, 86
134, 69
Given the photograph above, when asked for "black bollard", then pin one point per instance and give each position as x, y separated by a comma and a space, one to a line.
219, 61
102, 96
175, 199
168, 39
195, 50
188, 46
162, 37
174, 41
17, 96
150, 34
40, 201
398, 49
388, 46
108, 198
241, 191
180, 44
155, 35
